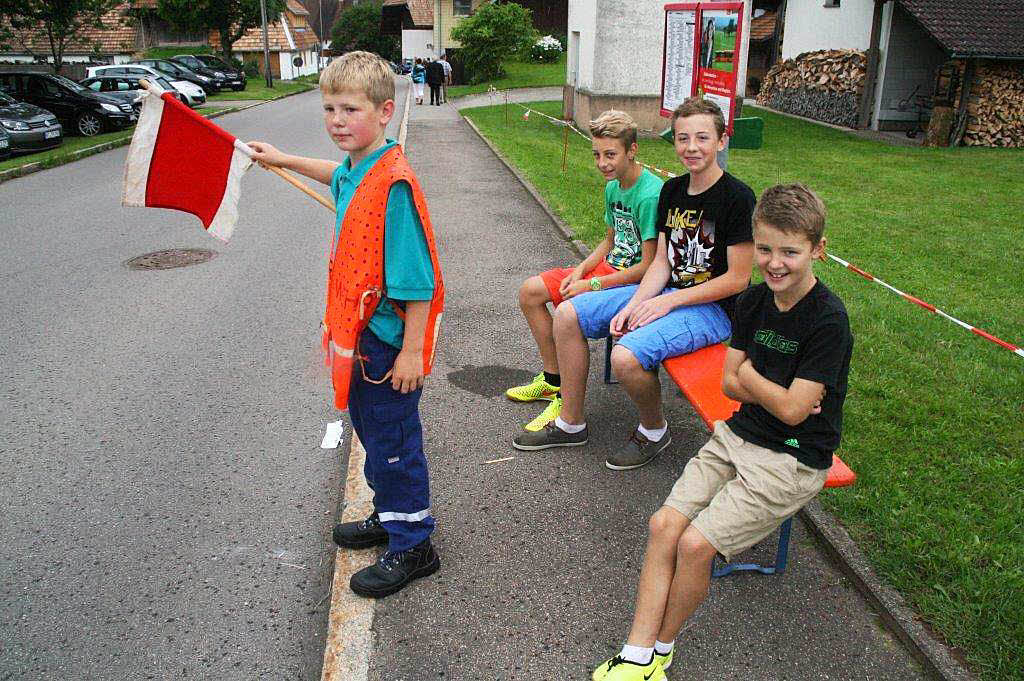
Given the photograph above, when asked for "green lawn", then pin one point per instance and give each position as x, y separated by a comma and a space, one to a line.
517, 75
61, 154
256, 88
934, 423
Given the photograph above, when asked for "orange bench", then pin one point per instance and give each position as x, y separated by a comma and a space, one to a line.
699, 377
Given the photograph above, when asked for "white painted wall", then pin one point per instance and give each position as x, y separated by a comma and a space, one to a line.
415, 43
289, 71
583, 19
811, 27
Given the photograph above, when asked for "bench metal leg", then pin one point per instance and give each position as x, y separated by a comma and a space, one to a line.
608, 378
781, 557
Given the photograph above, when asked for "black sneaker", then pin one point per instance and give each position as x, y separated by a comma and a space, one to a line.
549, 436
360, 534
393, 571
638, 451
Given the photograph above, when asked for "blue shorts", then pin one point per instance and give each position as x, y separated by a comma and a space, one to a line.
681, 331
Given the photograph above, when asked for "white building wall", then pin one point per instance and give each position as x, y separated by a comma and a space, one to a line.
582, 20
630, 39
290, 71
418, 43
811, 27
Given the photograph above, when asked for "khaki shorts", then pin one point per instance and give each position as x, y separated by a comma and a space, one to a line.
736, 493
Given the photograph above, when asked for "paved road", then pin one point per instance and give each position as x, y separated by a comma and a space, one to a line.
166, 503
541, 554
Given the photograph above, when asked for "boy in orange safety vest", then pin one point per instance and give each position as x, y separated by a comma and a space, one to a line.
384, 300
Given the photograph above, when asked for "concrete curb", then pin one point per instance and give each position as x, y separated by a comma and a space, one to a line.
36, 166
932, 654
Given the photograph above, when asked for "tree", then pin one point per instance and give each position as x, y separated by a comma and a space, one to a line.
58, 23
229, 18
358, 28
491, 35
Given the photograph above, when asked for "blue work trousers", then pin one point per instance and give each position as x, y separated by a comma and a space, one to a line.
388, 424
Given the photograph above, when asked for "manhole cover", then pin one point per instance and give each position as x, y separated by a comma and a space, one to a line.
169, 259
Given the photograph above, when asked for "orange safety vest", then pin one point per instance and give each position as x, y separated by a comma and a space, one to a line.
355, 279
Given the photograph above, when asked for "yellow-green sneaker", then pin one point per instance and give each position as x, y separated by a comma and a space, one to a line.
537, 389
549, 414
665, 660
618, 669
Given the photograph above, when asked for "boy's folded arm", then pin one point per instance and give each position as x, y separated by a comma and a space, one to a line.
790, 405
731, 385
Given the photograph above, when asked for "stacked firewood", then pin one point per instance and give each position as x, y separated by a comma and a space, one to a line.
823, 85
995, 108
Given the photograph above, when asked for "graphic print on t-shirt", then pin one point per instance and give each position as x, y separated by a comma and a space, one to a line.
690, 243
626, 249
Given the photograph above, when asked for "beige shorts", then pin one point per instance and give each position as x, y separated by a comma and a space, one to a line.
736, 492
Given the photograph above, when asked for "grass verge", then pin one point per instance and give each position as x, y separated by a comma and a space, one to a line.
256, 88
934, 425
74, 146
518, 75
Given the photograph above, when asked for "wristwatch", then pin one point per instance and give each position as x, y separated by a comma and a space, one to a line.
595, 284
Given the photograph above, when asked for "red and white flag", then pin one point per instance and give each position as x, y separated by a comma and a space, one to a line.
180, 160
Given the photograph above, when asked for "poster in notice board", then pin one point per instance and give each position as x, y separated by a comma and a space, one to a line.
703, 42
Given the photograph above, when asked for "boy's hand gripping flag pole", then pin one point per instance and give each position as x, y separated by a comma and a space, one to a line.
180, 160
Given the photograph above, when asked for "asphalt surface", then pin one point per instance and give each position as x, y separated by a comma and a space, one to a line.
540, 554
166, 503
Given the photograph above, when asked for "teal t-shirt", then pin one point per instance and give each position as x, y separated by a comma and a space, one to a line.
632, 214
408, 272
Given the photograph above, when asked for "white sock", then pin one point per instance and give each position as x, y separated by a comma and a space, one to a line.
653, 435
637, 654
569, 427
664, 648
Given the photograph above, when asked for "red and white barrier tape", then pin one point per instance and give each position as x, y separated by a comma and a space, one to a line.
928, 306
853, 268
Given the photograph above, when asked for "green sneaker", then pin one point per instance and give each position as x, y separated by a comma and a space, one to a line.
665, 660
549, 414
618, 669
537, 389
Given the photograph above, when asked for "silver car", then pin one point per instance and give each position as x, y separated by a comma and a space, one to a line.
30, 128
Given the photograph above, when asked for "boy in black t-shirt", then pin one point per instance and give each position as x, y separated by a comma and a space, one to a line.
787, 364
682, 304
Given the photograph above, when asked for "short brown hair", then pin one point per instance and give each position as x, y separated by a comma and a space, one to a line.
792, 208
359, 72
693, 106
616, 125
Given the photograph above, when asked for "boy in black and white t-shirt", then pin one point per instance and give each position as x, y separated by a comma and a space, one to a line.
788, 365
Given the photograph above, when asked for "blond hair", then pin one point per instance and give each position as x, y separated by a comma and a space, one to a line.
694, 106
359, 72
793, 209
616, 125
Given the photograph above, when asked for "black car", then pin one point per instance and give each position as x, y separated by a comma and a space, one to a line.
88, 113
175, 71
26, 128
215, 67
5, 144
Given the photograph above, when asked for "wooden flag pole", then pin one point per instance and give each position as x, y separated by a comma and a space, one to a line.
280, 172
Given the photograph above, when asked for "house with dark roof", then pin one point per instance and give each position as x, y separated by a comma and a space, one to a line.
414, 21
912, 47
293, 44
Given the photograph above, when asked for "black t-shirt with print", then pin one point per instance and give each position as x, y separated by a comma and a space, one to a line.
811, 340
700, 229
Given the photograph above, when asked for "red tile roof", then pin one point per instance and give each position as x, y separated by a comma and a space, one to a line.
302, 35
422, 11
762, 27
119, 35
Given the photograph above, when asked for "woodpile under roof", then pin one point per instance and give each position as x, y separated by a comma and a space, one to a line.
823, 85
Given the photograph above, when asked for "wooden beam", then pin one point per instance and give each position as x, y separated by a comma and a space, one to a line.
867, 96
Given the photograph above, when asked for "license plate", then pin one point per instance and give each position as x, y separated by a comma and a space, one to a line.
3, 144
132, 117
50, 134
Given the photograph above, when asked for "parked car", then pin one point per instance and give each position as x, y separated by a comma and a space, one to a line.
175, 71
26, 127
86, 112
210, 65
5, 144
194, 94
127, 88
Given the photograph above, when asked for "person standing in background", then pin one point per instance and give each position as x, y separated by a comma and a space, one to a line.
419, 75
447, 78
